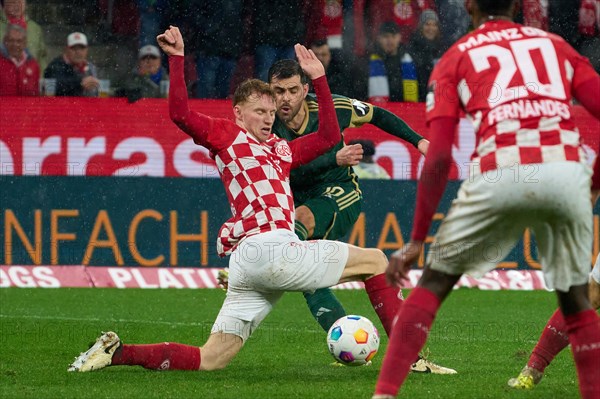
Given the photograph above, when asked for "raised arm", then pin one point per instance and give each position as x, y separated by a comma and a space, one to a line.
192, 123
309, 147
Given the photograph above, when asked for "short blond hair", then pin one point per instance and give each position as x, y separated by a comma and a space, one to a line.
249, 88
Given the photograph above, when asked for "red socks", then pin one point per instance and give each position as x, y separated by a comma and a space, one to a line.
584, 333
386, 300
408, 337
554, 338
163, 356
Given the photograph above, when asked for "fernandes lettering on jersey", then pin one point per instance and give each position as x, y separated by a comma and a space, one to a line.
515, 84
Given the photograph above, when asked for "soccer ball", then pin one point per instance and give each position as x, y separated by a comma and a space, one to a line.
353, 340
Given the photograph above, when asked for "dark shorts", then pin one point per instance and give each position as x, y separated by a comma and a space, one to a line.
335, 207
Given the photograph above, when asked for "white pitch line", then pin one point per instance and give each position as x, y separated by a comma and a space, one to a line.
169, 323
93, 319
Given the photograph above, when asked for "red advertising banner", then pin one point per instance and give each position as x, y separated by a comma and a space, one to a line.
185, 277
110, 137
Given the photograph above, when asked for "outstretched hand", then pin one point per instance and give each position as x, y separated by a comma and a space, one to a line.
349, 155
171, 42
401, 262
309, 62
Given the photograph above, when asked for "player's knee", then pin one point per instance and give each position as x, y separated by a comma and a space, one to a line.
305, 216
594, 294
379, 261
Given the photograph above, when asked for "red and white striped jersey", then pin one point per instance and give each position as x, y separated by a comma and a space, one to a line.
515, 84
256, 175
256, 180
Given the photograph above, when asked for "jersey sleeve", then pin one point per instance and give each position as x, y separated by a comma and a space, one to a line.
208, 132
442, 92
579, 69
352, 113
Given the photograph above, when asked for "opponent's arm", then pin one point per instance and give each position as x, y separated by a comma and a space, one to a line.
345, 156
309, 147
392, 124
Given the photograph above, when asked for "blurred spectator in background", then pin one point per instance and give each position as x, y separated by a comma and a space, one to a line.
454, 20
216, 40
74, 74
392, 72
338, 82
121, 18
19, 71
278, 25
149, 79
367, 168
589, 29
150, 20
404, 12
333, 21
564, 19
14, 12
426, 48
535, 13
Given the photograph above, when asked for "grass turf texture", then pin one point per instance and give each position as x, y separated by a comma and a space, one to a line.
485, 335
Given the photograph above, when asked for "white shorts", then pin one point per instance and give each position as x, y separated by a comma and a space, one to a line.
492, 211
596, 270
266, 265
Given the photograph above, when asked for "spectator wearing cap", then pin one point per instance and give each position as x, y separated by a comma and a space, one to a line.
74, 74
426, 48
392, 72
20, 74
367, 168
14, 13
147, 79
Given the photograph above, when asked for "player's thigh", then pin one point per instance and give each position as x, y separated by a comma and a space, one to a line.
564, 228
363, 263
244, 307
476, 233
335, 211
279, 261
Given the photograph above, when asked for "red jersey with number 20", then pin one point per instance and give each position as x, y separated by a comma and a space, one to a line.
515, 84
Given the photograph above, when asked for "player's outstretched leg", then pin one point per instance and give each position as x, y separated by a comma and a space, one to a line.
109, 351
99, 355
325, 307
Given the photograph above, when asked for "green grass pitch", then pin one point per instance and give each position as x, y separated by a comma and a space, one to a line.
485, 335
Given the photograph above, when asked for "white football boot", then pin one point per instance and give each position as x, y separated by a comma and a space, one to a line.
425, 366
99, 355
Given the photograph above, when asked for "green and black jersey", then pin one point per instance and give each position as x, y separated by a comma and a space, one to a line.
350, 113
